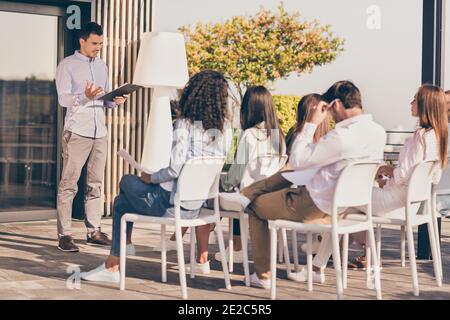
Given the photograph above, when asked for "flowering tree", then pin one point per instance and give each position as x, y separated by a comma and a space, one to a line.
260, 49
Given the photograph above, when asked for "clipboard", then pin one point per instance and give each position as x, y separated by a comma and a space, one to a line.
124, 89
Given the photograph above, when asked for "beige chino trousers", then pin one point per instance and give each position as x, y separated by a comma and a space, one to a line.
76, 150
273, 198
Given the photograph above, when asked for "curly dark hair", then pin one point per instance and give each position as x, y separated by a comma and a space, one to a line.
205, 99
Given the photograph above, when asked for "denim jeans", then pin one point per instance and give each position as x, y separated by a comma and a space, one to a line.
136, 197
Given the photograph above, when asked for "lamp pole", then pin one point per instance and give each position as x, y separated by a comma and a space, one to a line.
158, 134
161, 65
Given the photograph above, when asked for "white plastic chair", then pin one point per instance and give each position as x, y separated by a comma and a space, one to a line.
350, 192
262, 167
198, 181
419, 190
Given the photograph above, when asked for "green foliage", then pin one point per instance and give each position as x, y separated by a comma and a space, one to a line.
259, 49
286, 109
233, 149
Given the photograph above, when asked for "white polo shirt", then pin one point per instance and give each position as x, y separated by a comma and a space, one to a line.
355, 139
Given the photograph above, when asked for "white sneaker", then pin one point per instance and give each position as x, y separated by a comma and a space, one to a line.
315, 247
233, 201
238, 257
212, 237
200, 268
302, 276
259, 283
131, 250
170, 246
101, 274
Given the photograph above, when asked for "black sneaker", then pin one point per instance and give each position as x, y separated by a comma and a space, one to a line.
66, 244
98, 237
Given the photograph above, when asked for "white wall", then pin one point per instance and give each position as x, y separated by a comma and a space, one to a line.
446, 83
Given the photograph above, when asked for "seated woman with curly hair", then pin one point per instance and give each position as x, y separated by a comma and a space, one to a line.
202, 129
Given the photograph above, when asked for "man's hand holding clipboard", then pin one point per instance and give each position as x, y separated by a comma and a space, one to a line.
119, 95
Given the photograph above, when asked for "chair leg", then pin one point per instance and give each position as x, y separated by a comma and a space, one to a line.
337, 266
181, 265
219, 235
434, 253
309, 261
434, 215
402, 246
192, 252
244, 238
286, 251
368, 262
378, 241
230, 244
438, 248
163, 254
273, 263
280, 246
438, 242
412, 259
376, 262
123, 252
345, 260
295, 250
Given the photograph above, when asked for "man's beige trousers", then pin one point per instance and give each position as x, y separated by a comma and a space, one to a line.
273, 198
76, 150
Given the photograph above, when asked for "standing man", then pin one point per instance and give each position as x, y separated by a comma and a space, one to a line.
80, 78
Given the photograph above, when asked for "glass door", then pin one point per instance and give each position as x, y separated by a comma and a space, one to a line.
28, 115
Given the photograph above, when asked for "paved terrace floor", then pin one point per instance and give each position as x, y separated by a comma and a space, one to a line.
31, 267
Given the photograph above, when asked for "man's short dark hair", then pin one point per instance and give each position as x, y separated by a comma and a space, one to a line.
90, 28
347, 92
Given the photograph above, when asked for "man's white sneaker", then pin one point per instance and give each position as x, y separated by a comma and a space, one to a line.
237, 255
233, 201
302, 276
200, 268
259, 283
170, 246
101, 274
131, 250
315, 247
212, 237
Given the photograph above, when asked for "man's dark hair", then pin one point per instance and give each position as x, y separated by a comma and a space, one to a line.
345, 91
90, 28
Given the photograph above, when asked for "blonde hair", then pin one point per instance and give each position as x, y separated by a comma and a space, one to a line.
432, 109
304, 115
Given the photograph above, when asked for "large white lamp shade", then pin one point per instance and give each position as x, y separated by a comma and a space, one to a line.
161, 65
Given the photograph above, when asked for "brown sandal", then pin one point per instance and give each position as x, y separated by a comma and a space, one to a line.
360, 263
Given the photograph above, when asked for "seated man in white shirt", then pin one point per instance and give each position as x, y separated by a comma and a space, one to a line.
356, 137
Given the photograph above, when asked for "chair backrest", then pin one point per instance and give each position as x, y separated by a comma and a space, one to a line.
198, 179
419, 184
262, 167
355, 183
443, 186
394, 144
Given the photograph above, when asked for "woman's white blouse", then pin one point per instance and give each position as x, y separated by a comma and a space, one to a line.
422, 146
